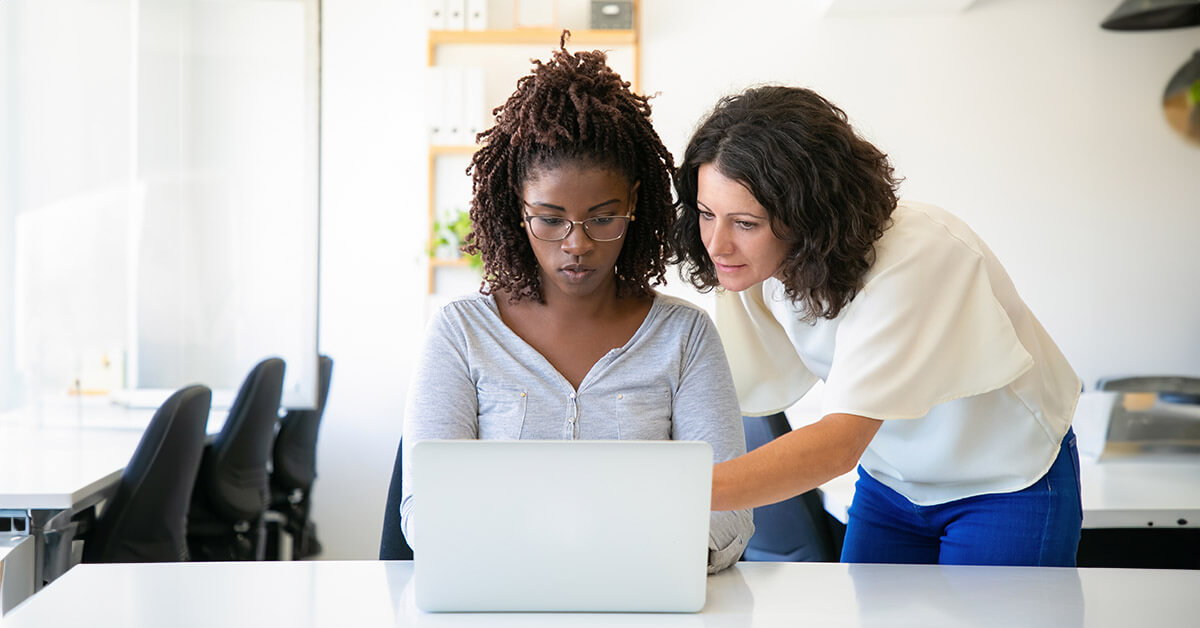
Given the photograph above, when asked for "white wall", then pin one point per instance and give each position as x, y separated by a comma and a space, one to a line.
1024, 117
1040, 129
373, 231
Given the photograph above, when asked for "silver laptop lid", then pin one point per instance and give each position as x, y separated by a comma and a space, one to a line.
561, 525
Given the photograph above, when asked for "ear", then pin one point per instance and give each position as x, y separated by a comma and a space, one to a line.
633, 198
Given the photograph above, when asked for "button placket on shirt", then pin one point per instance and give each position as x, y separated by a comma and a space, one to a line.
573, 419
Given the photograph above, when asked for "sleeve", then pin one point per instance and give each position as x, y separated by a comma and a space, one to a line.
768, 374
441, 403
926, 328
705, 408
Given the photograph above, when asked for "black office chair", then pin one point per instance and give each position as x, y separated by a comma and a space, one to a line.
145, 520
225, 521
392, 544
796, 529
290, 532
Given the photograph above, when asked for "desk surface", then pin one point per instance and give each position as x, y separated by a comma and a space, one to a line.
57, 468
65, 455
373, 593
1138, 491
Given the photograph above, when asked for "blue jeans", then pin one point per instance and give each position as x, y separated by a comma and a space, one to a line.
1036, 526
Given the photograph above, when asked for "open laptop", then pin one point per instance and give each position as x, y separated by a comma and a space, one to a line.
619, 526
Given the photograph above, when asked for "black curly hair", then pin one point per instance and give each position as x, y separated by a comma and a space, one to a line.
571, 109
828, 192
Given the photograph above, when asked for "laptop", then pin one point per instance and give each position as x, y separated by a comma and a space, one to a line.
609, 526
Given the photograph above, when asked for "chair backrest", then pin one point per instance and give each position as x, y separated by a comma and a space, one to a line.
795, 529
233, 473
146, 520
295, 453
392, 544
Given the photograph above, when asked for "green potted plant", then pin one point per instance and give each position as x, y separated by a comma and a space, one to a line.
449, 235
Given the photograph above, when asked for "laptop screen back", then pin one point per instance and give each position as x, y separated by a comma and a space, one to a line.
561, 525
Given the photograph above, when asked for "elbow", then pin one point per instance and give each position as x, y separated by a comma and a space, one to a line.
846, 462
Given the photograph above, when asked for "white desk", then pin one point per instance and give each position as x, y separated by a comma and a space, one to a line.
373, 593
1133, 492
58, 460
49, 474
56, 468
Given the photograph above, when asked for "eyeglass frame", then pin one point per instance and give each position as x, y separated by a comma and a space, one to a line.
627, 217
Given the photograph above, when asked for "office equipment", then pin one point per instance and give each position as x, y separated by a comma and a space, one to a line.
145, 521
795, 529
560, 525
231, 493
293, 472
762, 595
612, 14
392, 544
1150, 415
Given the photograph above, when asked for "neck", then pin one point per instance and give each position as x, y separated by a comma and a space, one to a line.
598, 304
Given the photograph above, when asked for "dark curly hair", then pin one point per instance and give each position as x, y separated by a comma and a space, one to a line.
828, 192
571, 109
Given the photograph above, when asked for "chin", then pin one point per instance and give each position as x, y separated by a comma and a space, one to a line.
732, 284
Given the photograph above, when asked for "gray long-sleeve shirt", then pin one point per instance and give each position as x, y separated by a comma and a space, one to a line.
476, 378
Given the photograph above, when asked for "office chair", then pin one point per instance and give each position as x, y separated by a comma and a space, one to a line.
225, 521
796, 529
290, 532
145, 521
392, 544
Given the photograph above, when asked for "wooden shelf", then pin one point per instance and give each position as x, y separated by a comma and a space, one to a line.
453, 149
533, 36
458, 261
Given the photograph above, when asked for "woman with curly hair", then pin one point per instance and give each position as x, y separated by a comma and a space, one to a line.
939, 383
567, 339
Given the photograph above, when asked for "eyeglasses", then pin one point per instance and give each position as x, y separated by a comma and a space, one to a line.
556, 228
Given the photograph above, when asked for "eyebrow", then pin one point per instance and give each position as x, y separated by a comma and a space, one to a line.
709, 210
563, 209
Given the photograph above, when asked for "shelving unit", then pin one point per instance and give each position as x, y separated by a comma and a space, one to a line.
580, 38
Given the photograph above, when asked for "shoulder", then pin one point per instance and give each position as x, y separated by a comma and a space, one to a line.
676, 310
924, 238
467, 306
678, 321
464, 312
930, 225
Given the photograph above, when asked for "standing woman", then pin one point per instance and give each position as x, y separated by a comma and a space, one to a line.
939, 382
568, 340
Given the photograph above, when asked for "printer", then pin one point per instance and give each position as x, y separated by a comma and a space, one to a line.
1140, 415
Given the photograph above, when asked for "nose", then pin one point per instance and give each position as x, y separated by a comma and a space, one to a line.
577, 243
715, 235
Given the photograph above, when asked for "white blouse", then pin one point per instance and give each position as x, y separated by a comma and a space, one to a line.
975, 395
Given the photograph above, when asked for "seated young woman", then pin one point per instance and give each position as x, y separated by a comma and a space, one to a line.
567, 338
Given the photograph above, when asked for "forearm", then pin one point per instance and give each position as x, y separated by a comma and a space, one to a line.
728, 534
794, 463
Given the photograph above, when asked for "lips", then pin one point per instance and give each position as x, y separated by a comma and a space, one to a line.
726, 268
576, 271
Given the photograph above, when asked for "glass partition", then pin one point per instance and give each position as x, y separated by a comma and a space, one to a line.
159, 190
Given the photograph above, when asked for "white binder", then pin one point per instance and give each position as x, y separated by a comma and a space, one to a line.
477, 15
435, 14
435, 106
456, 15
